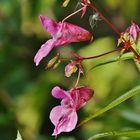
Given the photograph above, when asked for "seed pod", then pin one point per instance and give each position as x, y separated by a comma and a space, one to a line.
51, 62
56, 64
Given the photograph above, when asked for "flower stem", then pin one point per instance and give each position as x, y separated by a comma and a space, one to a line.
91, 57
78, 78
74, 13
132, 49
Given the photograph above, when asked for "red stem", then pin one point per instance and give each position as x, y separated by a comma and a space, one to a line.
83, 58
104, 18
132, 49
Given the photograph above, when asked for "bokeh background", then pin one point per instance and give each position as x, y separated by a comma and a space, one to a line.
25, 90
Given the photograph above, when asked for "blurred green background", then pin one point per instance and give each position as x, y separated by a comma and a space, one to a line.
25, 90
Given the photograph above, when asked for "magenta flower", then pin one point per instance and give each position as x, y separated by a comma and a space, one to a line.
64, 117
62, 33
134, 31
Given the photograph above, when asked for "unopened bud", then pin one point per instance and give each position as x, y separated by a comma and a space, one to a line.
56, 64
51, 62
65, 3
70, 69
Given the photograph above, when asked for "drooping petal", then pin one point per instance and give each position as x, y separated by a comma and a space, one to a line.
59, 93
50, 25
65, 120
44, 51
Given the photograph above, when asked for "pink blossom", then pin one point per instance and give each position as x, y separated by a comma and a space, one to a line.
62, 33
64, 117
134, 31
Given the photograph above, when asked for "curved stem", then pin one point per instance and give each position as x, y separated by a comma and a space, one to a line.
96, 56
77, 81
74, 13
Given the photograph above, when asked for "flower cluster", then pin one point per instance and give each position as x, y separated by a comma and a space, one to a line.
72, 101
65, 33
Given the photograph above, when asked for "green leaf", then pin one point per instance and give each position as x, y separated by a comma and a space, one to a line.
125, 56
131, 116
18, 136
114, 103
129, 133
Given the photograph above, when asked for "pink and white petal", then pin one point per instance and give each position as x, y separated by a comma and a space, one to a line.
50, 25
66, 124
44, 51
56, 113
59, 93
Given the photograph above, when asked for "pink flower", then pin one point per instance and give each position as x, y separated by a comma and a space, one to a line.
64, 117
62, 33
134, 31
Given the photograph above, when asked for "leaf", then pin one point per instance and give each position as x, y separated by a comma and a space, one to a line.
125, 56
114, 103
18, 136
129, 133
65, 3
131, 116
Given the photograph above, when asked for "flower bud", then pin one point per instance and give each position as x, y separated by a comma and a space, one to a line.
65, 3
133, 31
70, 69
56, 64
51, 62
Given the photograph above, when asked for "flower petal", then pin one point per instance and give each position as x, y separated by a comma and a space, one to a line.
65, 121
44, 51
56, 111
76, 33
50, 25
59, 93
68, 33
80, 96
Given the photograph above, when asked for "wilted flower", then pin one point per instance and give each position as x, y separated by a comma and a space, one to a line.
62, 33
64, 117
